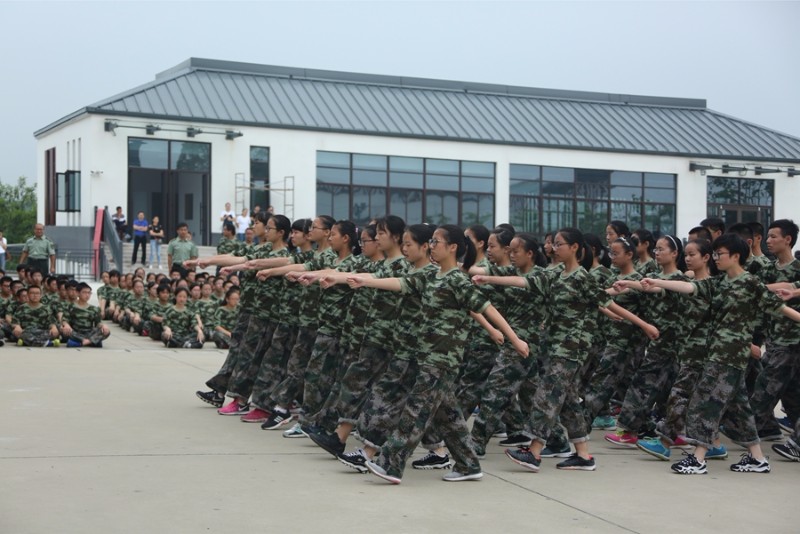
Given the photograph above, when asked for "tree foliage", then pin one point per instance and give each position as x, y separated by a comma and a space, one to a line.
17, 210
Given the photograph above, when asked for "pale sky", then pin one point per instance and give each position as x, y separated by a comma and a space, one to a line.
742, 57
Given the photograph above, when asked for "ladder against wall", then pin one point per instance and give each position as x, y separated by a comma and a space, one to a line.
281, 194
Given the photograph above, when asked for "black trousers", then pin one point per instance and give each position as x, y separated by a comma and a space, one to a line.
139, 240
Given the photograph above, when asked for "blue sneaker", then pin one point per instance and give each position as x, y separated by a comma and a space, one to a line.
604, 422
786, 424
654, 447
557, 451
73, 343
717, 453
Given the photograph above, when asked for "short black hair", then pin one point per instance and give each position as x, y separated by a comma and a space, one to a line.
787, 227
734, 244
701, 232
715, 224
742, 230
757, 228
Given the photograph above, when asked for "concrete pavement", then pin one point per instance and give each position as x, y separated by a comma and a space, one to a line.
114, 440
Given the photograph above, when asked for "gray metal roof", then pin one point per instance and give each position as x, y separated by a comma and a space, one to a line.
238, 94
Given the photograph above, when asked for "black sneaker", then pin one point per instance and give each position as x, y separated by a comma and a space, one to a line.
516, 440
524, 457
278, 419
784, 422
577, 463
748, 464
788, 451
690, 466
432, 461
557, 451
356, 460
329, 442
211, 397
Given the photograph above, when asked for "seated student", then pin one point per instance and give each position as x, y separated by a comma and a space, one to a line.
5, 288
82, 324
107, 295
20, 298
182, 327
154, 314
34, 324
206, 308
225, 319
134, 307
121, 297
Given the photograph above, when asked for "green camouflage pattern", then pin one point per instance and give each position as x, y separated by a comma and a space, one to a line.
227, 246
309, 306
408, 327
40, 317
181, 322
293, 293
649, 268
557, 401
354, 328
83, 319
335, 300
268, 292
382, 317
249, 282
782, 330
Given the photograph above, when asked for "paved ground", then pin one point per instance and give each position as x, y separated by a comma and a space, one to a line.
113, 440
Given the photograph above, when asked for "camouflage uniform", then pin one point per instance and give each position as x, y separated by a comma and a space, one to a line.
227, 319
291, 387
135, 305
357, 375
85, 323
649, 268
326, 357
657, 372
604, 278
154, 328
36, 323
720, 395
523, 311
431, 402
182, 323
621, 356
780, 376
572, 299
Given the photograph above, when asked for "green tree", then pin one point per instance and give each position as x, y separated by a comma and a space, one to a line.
17, 210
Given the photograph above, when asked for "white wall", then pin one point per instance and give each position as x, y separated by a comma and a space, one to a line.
293, 153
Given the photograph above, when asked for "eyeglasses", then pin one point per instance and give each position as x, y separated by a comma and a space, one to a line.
660, 250
556, 245
362, 242
715, 255
434, 242
271, 228
318, 228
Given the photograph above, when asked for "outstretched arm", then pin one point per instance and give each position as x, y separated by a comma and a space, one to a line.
387, 284
650, 330
494, 333
687, 288
499, 321
514, 281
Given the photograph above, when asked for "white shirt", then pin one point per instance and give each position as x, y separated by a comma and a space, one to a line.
3, 246
224, 214
242, 223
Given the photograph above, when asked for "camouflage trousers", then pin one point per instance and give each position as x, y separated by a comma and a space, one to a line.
590, 365
615, 364
653, 379
95, 336
328, 415
510, 370
186, 341
219, 382
794, 439
473, 374
431, 404
519, 413
674, 423
557, 401
320, 374
221, 339
779, 380
273, 367
36, 337
291, 387
254, 345
358, 379
385, 401
720, 398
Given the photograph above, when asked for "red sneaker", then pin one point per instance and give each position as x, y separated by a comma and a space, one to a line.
234, 408
256, 415
623, 439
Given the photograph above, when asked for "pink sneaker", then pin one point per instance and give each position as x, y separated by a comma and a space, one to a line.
256, 415
622, 438
234, 408
680, 442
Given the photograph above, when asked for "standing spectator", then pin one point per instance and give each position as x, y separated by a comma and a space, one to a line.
37, 250
3, 247
256, 209
242, 224
227, 214
120, 223
140, 227
270, 210
156, 232
181, 249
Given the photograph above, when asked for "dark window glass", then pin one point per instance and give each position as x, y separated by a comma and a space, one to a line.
444, 183
557, 213
406, 164
524, 212
619, 192
723, 190
654, 179
524, 187
441, 208
477, 209
558, 189
368, 203
626, 178
259, 163
558, 174
524, 172
478, 185
363, 161
659, 195
477, 168
333, 159
757, 192
148, 153
188, 156
406, 179
406, 204
660, 218
628, 212
441, 166
592, 217
376, 178
333, 176
334, 200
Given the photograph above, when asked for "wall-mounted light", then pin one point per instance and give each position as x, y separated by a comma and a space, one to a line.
191, 131
230, 135
762, 170
694, 167
791, 172
110, 126
151, 129
730, 168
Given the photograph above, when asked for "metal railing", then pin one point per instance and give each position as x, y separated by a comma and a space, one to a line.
71, 262
111, 240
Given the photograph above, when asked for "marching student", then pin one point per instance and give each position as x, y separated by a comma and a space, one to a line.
645, 242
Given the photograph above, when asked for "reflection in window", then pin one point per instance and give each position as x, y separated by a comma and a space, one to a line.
188, 156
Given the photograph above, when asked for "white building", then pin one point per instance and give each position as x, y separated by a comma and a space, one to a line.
357, 146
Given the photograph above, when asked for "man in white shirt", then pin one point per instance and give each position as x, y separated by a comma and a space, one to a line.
227, 215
